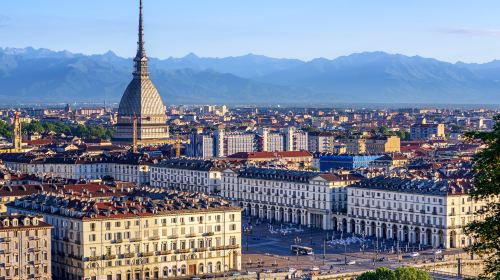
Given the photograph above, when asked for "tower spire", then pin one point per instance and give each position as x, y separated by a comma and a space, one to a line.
141, 59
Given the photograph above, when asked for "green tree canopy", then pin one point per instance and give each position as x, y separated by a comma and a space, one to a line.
401, 273
487, 186
82, 131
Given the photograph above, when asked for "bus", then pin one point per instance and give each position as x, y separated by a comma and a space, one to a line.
301, 250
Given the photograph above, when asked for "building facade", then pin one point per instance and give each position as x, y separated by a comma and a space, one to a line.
304, 198
150, 234
187, 175
426, 131
25, 246
425, 212
126, 168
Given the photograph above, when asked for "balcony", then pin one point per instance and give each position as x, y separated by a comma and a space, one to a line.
173, 236
127, 255
156, 237
73, 256
183, 251
191, 235
235, 246
5, 240
137, 239
108, 257
93, 258
146, 254
165, 252
201, 249
117, 241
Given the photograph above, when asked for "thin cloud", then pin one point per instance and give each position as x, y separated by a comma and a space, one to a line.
472, 31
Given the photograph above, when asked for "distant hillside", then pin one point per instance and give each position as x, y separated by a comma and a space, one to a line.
40, 75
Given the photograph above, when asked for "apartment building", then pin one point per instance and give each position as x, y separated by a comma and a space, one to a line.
25, 248
148, 234
231, 142
129, 168
427, 131
322, 142
426, 212
201, 145
305, 198
187, 175
383, 144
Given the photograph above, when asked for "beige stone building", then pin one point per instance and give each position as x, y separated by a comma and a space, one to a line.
148, 234
24, 248
300, 197
383, 144
422, 212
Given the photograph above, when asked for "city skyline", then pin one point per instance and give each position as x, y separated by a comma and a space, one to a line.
449, 30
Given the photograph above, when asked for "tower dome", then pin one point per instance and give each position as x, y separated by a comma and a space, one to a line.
141, 100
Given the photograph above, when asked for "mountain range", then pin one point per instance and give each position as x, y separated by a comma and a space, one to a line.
41, 75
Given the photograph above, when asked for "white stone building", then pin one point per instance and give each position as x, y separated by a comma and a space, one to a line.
305, 198
426, 212
187, 175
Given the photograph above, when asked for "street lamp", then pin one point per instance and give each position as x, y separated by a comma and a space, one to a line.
297, 240
247, 231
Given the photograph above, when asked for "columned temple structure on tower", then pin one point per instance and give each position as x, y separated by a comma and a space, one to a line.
141, 101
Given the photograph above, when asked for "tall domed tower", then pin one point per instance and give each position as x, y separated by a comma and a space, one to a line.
141, 102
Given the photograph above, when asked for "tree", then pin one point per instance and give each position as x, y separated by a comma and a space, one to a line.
369, 275
486, 186
401, 273
411, 273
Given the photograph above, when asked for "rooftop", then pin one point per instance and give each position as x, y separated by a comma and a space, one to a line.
416, 186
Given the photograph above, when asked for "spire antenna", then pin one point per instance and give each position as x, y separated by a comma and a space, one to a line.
141, 59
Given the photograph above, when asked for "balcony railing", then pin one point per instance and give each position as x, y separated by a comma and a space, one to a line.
165, 252
109, 257
137, 239
127, 255
93, 258
183, 251
147, 254
155, 237
118, 241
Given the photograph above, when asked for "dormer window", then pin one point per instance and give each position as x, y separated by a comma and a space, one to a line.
14, 222
5, 223
35, 222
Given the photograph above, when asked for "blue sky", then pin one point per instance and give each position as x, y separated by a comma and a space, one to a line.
449, 30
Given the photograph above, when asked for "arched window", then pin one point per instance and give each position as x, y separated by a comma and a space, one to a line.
183, 269
218, 267
200, 268
165, 271
209, 268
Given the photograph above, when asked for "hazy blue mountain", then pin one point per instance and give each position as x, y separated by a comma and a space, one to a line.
247, 66
381, 77
32, 75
